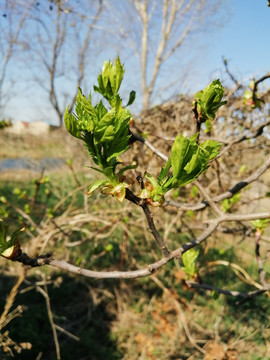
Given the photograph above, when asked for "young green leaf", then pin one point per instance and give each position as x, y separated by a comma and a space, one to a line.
189, 259
228, 203
132, 97
71, 124
164, 171
105, 132
209, 100
97, 184
110, 79
182, 151
193, 159
260, 224
188, 160
9, 248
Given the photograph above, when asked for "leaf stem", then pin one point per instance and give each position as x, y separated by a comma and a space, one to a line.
149, 217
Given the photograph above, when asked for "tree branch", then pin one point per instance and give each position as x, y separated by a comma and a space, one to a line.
227, 194
248, 295
149, 217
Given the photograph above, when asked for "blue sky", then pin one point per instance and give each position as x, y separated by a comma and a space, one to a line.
244, 41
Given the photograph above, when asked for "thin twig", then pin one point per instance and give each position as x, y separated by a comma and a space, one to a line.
258, 235
151, 268
50, 316
156, 151
225, 62
208, 198
135, 137
227, 194
69, 164
255, 87
149, 217
248, 295
59, 328
37, 187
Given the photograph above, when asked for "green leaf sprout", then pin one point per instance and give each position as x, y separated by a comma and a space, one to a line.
9, 246
188, 160
189, 259
250, 100
227, 204
260, 224
104, 131
209, 100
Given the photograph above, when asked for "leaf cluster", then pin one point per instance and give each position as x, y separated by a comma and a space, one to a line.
188, 160
227, 204
260, 224
209, 100
104, 130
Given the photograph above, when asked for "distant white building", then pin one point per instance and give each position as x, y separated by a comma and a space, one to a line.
33, 128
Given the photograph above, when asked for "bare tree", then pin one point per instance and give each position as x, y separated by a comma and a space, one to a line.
14, 16
60, 39
155, 30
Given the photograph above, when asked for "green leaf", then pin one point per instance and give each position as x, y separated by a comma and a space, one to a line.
116, 76
50, 213
212, 147
108, 134
194, 191
260, 224
27, 208
71, 124
117, 149
180, 154
105, 132
188, 160
209, 100
96, 169
108, 247
152, 180
228, 203
164, 171
100, 111
96, 185
3, 237
3, 199
132, 97
125, 168
195, 160
242, 169
110, 79
189, 259
208, 126
6, 244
